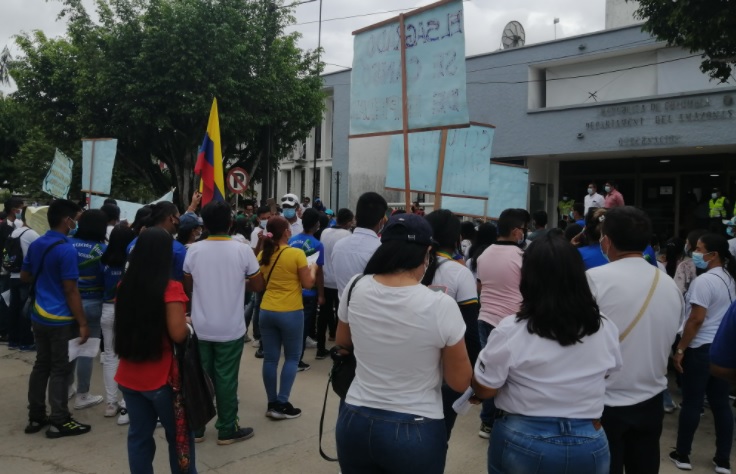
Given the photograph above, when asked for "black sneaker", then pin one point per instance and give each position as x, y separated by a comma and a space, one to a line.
681, 461
34, 426
723, 466
288, 411
273, 412
259, 353
322, 354
303, 367
70, 428
240, 435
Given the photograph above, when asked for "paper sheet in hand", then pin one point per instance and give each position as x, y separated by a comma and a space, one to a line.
89, 349
6, 298
462, 405
313, 258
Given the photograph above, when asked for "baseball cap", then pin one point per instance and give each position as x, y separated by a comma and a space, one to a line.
730, 222
407, 228
330, 212
290, 200
189, 221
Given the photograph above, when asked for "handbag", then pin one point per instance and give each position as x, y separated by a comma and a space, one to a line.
197, 389
31, 300
341, 376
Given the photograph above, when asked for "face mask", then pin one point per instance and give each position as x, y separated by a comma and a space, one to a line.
699, 261
73, 230
521, 241
608, 189
263, 223
590, 190
564, 198
289, 213
730, 232
605, 255
18, 215
714, 195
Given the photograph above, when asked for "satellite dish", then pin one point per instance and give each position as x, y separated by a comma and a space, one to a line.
513, 35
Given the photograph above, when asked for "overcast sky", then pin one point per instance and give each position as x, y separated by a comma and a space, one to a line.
484, 21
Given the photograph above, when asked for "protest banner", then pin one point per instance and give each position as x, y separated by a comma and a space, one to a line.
59, 178
98, 158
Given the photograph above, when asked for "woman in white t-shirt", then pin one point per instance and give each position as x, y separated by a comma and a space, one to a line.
546, 368
406, 339
709, 297
451, 277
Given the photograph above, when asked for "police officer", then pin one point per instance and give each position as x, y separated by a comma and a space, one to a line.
717, 210
564, 206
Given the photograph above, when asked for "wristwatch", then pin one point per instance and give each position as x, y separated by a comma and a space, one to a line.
679, 351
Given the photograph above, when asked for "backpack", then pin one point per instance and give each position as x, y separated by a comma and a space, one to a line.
13, 254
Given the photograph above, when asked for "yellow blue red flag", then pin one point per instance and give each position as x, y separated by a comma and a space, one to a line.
209, 161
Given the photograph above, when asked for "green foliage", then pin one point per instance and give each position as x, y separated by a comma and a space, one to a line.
707, 26
147, 71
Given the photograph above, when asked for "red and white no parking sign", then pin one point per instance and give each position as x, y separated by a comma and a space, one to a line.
237, 180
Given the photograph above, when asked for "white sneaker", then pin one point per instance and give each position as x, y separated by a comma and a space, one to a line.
123, 419
85, 400
112, 409
256, 343
310, 343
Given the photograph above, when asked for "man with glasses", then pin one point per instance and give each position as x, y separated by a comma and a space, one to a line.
290, 206
499, 273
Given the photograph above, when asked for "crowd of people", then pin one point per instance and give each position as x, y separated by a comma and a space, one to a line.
563, 337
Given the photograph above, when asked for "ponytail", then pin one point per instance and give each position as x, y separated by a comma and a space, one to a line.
272, 234
431, 269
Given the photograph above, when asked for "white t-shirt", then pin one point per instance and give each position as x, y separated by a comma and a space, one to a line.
329, 238
219, 267
593, 200
297, 227
714, 291
398, 333
350, 255
732, 246
539, 377
620, 289
240, 238
27, 236
455, 280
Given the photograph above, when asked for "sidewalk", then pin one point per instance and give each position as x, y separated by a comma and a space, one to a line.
288, 446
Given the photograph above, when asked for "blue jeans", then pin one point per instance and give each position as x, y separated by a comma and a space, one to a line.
536, 445
281, 329
370, 440
696, 383
93, 311
145, 409
488, 408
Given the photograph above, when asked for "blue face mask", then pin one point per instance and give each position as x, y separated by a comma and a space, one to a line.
19, 215
289, 213
699, 261
730, 231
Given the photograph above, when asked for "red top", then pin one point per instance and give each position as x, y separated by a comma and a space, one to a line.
151, 374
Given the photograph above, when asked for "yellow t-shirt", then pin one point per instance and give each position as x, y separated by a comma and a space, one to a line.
283, 288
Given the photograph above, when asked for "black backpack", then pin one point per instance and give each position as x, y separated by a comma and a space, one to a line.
13, 254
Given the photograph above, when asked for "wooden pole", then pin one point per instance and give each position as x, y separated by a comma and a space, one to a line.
405, 115
440, 171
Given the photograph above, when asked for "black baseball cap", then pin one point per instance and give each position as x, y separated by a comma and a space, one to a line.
407, 228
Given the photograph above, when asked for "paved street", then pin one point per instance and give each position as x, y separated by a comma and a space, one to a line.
288, 446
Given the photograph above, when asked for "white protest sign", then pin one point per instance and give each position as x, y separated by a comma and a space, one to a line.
59, 178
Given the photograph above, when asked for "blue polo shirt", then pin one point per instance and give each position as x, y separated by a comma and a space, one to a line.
60, 264
723, 349
592, 256
177, 266
310, 246
91, 284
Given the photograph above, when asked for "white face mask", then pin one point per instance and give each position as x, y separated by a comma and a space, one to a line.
263, 223
714, 196
590, 190
608, 189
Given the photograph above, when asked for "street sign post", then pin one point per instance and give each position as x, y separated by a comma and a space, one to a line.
237, 182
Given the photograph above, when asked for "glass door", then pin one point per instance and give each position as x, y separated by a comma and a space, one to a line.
659, 201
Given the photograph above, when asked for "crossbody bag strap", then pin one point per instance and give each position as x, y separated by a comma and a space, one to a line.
644, 307
327, 388
268, 278
43, 259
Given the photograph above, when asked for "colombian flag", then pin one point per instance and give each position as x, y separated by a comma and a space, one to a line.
209, 161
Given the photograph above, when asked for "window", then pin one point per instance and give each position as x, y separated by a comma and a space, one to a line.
303, 183
288, 181
318, 142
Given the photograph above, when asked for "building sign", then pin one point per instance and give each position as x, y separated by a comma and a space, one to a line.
661, 113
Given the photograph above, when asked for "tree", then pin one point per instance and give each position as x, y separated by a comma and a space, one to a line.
707, 26
146, 74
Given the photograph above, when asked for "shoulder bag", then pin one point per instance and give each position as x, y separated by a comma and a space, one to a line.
31, 300
341, 376
197, 390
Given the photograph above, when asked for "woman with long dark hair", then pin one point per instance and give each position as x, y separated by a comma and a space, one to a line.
89, 242
710, 295
113, 265
406, 339
485, 237
674, 252
282, 314
149, 315
546, 368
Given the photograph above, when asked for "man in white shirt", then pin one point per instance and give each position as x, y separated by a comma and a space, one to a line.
328, 311
624, 288
290, 209
215, 274
20, 336
350, 255
593, 199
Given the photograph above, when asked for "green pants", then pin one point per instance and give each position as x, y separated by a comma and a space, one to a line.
221, 361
